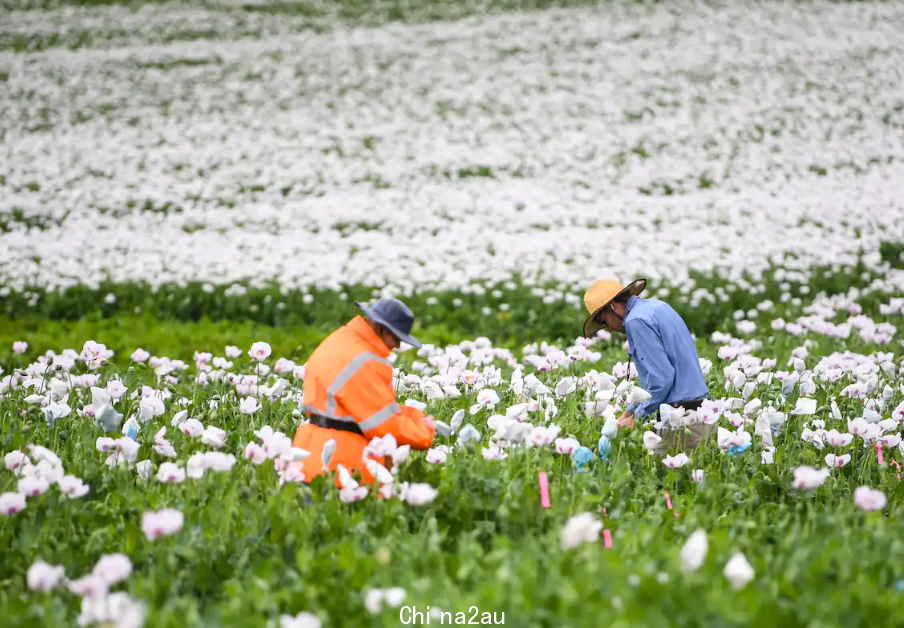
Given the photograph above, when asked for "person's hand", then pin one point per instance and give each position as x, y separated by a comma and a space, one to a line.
626, 419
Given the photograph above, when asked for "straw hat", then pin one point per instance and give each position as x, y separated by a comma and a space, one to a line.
600, 294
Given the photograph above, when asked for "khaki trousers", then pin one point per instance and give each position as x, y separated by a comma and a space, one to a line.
678, 440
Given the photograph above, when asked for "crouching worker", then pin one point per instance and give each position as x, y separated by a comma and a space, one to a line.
662, 350
348, 392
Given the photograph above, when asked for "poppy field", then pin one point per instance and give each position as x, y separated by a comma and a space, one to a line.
192, 196
144, 490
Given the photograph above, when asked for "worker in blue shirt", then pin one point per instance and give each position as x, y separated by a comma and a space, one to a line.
661, 348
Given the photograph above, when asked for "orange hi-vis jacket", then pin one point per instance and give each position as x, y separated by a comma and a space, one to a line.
349, 378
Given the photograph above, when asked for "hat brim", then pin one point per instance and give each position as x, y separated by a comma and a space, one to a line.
407, 338
591, 325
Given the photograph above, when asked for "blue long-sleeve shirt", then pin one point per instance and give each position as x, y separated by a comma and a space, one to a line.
664, 354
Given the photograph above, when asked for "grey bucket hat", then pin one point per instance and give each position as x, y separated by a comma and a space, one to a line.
395, 315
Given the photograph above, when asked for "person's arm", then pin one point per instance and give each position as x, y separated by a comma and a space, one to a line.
660, 374
627, 417
411, 427
368, 396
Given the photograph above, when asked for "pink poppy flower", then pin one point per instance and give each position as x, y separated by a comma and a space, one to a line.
161, 523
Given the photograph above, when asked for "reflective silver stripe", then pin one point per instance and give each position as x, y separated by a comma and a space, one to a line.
346, 374
313, 410
379, 417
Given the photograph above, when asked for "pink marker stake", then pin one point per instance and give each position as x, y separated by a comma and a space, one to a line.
544, 490
668, 502
607, 539
879, 451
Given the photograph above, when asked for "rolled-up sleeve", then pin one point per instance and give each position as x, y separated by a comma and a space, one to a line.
656, 372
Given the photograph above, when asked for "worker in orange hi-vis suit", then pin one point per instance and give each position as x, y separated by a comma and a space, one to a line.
348, 392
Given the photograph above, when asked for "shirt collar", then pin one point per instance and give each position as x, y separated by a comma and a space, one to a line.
631, 302
359, 326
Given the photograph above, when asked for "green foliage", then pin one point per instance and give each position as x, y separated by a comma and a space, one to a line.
893, 254
516, 316
251, 550
176, 339
298, 16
